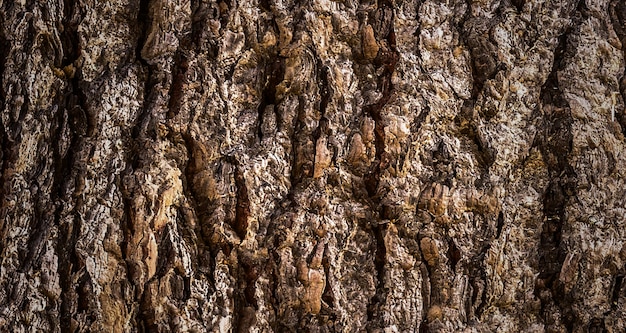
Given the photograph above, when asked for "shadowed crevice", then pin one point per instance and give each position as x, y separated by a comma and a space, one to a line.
246, 303
181, 64
201, 205
144, 20
386, 61
616, 293
380, 261
555, 145
328, 296
143, 124
7, 156
242, 210
68, 267
325, 94
274, 74
242, 206
199, 18
69, 35
5, 49
617, 13
483, 60
73, 123
301, 168
454, 254
518, 4
500, 224
479, 294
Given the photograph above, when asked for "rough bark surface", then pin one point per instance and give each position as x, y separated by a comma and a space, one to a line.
312, 166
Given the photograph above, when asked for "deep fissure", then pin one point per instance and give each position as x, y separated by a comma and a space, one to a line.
386, 60
555, 146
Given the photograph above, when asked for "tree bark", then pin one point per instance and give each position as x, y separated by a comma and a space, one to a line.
312, 166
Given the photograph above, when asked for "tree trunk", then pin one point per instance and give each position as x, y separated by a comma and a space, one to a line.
313, 166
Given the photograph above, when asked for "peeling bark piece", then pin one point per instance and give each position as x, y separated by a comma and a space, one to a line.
369, 43
323, 157
430, 251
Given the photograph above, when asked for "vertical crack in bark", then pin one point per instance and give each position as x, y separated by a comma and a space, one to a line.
518, 4
75, 116
596, 325
67, 233
202, 206
454, 254
251, 274
68, 267
327, 296
181, 64
427, 284
617, 290
478, 278
274, 73
69, 35
272, 270
143, 24
386, 59
380, 259
483, 64
5, 49
199, 18
242, 210
299, 169
83, 121
246, 303
179, 69
5, 143
76, 101
144, 317
617, 13
302, 151
167, 254
500, 225
325, 92
40, 225
555, 146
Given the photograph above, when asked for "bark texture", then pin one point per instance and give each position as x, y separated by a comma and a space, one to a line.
312, 166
